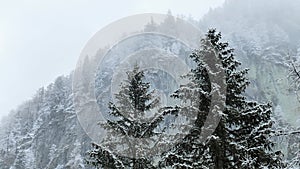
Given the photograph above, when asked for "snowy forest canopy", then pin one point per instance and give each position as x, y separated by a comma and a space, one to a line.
44, 131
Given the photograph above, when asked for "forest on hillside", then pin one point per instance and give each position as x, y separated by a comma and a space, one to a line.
258, 126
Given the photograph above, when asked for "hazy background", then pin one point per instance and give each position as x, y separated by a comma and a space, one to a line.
40, 40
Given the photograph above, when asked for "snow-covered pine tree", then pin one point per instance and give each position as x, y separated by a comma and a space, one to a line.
151, 26
285, 130
129, 119
242, 138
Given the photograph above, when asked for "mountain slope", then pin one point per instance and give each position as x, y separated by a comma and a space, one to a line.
44, 131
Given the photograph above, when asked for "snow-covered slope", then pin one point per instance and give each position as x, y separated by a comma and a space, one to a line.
44, 131
264, 34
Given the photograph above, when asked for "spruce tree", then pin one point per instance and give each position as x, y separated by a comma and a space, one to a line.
242, 138
131, 117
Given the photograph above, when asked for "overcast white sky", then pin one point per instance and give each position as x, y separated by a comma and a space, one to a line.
40, 40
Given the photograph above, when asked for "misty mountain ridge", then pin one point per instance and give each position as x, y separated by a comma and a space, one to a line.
44, 131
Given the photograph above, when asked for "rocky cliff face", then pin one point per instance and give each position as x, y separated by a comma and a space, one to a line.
264, 34
44, 132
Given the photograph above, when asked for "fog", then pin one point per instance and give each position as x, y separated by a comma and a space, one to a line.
40, 40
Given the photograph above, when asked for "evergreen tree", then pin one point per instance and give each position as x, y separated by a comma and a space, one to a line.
242, 138
130, 119
284, 129
151, 26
